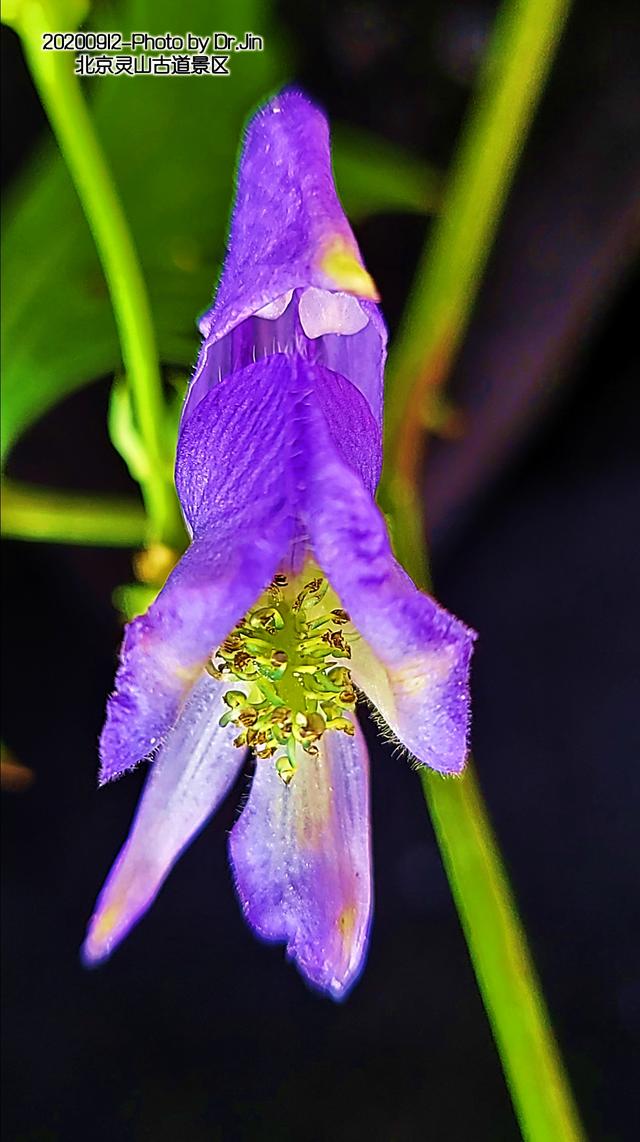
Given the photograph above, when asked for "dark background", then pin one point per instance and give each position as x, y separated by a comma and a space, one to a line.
196, 1031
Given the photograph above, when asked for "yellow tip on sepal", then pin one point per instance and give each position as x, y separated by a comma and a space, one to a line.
100, 938
341, 263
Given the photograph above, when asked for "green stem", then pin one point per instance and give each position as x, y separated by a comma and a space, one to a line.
41, 514
512, 78
63, 100
497, 944
503, 965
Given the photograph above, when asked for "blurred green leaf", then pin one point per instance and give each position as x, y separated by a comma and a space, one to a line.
133, 599
124, 433
51, 515
171, 143
67, 14
374, 176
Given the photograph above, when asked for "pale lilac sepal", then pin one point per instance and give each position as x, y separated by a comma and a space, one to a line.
301, 856
190, 776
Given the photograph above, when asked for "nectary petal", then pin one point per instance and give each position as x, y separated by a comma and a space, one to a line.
274, 309
302, 861
323, 312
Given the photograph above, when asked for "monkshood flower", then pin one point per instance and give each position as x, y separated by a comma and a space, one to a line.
288, 604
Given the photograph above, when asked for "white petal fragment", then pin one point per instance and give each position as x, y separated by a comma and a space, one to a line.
323, 312
274, 309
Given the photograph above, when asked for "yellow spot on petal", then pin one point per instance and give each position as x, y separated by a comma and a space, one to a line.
346, 922
341, 263
188, 674
106, 924
429, 670
170, 666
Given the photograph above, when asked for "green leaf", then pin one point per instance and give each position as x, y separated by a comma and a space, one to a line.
171, 143
65, 14
133, 599
124, 433
374, 176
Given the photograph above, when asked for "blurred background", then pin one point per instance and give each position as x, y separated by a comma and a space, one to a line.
194, 1030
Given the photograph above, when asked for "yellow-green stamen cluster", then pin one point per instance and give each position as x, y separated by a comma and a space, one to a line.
288, 649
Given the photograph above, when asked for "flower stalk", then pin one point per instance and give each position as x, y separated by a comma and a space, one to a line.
504, 968
64, 103
512, 78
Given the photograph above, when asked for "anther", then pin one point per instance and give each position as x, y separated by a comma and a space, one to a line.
316, 724
281, 715
309, 727
343, 724
266, 751
285, 769
234, 698
340, 616
232, 643
267, 618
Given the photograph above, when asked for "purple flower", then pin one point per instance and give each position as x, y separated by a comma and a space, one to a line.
288, 602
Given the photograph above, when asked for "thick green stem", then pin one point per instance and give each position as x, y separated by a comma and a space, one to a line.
517, 62
497, 943
42, 514
504, 969
63, 100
